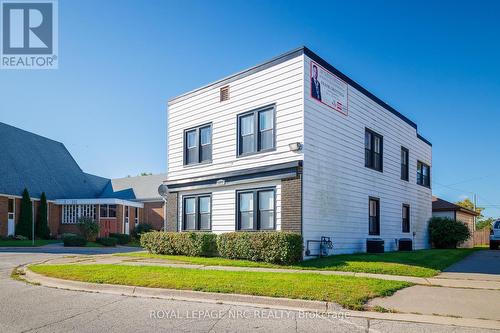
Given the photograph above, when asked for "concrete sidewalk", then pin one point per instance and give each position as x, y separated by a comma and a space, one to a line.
438, 281
257, 301
468, 298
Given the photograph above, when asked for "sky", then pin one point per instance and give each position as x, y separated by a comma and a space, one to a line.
120, 61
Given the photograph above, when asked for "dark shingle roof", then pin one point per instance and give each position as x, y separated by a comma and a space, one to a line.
42, 165
440, 205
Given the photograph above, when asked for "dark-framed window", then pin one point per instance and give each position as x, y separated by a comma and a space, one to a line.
374, 217
197, 212
406, 218
198, 145
373, 150
107, 211
405, 164
423, 174
256, 131
255, 209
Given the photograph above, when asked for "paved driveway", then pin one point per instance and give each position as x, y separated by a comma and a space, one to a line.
481, 266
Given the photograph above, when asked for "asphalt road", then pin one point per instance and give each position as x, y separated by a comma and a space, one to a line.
30, 308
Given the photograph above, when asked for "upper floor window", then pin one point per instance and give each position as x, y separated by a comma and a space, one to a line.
256, 131
374, 217
256, 209
423, 174
405, 171
373, 150
197, 212
406, 218
198, 145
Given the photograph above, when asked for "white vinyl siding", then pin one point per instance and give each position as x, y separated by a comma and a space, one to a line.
337, 185
224, 204
281, 85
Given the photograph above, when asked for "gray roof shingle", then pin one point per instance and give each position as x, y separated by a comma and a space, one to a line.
134, 188
28, 160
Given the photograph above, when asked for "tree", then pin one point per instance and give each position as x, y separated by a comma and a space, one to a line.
142, 174
24, 226
466, 203
486, 223
42, 228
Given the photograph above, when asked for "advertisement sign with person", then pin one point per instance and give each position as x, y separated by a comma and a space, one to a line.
328, 89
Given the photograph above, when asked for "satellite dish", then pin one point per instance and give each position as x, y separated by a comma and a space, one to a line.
163, 190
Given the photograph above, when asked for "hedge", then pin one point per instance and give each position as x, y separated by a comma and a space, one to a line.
198, 244
121, 238
107, 241
74, 240
274, 247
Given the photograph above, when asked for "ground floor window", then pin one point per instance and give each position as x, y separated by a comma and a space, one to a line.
374, 217
107, 211
256, 209
136, 216
72, 213
197, 212
406, 218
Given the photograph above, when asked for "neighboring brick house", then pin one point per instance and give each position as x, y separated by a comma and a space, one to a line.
294, 144
443, 208
41, 165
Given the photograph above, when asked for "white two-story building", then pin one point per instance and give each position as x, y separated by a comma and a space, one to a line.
293, 144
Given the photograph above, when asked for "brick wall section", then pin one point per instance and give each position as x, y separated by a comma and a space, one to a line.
291, 204
153, 214
172, 204
4, 207
469, 221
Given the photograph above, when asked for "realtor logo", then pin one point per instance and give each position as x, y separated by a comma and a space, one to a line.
29, 34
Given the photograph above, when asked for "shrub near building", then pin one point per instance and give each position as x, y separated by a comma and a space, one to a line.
446, 233
272, 247
197, 244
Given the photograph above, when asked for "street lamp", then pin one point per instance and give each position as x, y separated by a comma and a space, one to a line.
163, 192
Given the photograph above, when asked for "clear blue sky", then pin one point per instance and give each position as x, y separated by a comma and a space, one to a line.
437, 62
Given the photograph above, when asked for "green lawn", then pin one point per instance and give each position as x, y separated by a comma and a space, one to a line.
26, 243
350, 292
421, 263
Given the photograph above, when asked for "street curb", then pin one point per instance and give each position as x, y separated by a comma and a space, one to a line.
253, 301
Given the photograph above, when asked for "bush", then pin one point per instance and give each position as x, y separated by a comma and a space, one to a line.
42, 228
274, 247
446, 233
140, 229
199, 244
74, 240
20, 237
89, 228
107, 241
121, 238
25, 224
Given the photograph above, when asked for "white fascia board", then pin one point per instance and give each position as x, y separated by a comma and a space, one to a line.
103, 201
20, 197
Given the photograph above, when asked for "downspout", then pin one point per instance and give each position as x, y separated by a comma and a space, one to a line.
164, 214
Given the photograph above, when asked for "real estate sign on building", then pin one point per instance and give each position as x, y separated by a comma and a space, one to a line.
328, 88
